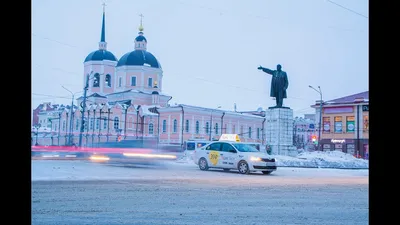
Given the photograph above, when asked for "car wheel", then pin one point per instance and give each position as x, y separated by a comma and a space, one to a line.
266, 172
226, 170
243, 167
203, 165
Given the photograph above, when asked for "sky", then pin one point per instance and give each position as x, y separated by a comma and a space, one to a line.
81, 170
209, 50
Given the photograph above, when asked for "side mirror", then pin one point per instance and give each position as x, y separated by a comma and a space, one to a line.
232, 151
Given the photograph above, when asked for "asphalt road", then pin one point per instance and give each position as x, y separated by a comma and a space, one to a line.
182, 194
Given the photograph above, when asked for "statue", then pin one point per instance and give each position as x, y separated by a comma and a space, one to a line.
279, 84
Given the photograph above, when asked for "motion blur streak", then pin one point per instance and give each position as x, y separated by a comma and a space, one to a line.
99, 158
150, 155
89, 150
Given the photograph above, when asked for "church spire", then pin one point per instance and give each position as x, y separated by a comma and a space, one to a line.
103, 43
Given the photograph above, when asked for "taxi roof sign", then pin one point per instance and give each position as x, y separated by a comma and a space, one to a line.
230, 137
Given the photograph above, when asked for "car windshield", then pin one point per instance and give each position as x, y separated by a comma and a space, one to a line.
245, 147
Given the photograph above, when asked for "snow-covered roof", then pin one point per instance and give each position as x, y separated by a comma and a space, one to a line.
144, 110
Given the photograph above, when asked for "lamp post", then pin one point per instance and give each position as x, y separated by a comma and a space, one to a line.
37, 126
211, 124
83, 105
72, 114
320, 114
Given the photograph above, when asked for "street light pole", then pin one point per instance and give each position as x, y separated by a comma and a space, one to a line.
83, 109
320, 115
72, 115
211, 126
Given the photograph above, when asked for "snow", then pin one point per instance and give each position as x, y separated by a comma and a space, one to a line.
314, 159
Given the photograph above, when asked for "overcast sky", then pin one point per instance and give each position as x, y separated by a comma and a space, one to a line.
210, 49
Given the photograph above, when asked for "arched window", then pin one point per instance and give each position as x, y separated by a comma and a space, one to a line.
77, 124
207, 128
108, 80
197, 127
216, 128
258, 133
105, 123
249, 132
151, 128
116, 123
164, 126
97, 124
187, 126
175, 129
96, 80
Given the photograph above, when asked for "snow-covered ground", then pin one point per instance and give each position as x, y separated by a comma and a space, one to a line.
315, 159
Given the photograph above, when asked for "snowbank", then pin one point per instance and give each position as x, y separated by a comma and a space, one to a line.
315, 159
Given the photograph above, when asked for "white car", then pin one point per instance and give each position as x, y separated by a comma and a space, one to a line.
233, 155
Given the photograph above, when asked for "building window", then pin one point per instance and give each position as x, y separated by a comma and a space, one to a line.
197, 127
77, 124
150, 83
207, 128
105, 123
55, 127
116, 123
108, 80
365, 124
326, 126
187, 126
164, 126
151, 128
96, 80
233, 129
258, 133
249, 132
97, 124
216, 128
350, 124
133, 81
175, 129
338, 124
119, 81
91, 124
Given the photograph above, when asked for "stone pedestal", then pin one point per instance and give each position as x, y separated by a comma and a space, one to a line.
279, 131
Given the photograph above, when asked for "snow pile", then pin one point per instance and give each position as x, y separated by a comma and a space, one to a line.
315, 159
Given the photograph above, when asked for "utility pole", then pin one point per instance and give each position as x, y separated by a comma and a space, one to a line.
72, 116
211, 125
83, 110
320, 116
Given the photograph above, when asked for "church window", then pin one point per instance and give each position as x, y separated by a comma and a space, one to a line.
133, 81
108, 80
96, 80
175, 126
119, 81
150, 83
116, 123
151, 128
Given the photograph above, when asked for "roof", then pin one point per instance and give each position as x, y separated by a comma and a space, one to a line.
100, 55
139, 58
350, 98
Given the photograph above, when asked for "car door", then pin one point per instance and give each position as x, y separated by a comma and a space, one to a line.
213, 154
228, 155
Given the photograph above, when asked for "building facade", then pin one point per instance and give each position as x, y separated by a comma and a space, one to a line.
345, 124
303, 130
124, 100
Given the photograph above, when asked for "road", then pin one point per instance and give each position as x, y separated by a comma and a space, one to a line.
86, 193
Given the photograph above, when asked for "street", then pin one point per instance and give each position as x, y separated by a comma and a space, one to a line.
65, 192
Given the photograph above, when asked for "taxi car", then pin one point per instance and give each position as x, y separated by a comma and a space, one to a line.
229, 153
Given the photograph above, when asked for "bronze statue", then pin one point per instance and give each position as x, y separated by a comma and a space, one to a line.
279, 84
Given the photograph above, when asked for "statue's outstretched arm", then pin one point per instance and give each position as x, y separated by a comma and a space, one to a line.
266, 70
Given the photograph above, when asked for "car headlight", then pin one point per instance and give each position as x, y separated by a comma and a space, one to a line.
257, 159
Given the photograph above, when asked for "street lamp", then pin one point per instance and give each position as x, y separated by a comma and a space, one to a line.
320, 114
212, 110
37, 126
83, 104
72, 114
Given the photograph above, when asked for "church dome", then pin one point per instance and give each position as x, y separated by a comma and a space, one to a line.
100, 55
139, 58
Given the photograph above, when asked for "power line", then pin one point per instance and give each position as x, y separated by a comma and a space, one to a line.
347, 9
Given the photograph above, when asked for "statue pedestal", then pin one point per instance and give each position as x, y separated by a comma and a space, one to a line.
279, 131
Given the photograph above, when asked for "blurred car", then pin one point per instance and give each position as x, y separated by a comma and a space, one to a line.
230, 154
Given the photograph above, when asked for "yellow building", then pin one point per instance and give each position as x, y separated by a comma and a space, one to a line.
345, 124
